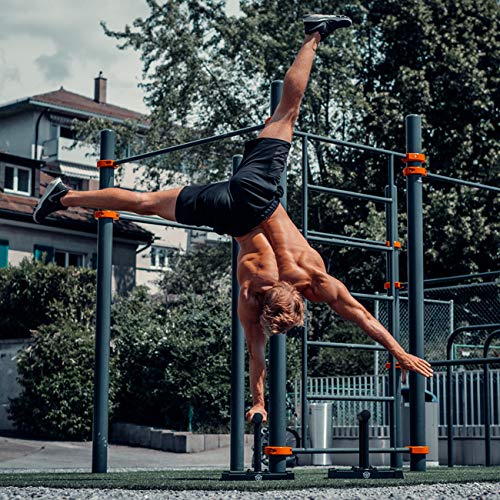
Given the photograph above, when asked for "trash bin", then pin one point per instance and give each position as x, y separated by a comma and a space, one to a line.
320, 431
431, 424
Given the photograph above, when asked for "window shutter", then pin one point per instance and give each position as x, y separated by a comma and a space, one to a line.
4, 253
40, 250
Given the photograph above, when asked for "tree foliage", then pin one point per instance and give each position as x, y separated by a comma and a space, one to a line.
206, 72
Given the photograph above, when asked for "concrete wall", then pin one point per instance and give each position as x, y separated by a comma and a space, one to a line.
9, 387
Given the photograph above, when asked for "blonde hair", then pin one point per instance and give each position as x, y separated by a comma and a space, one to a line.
282, 309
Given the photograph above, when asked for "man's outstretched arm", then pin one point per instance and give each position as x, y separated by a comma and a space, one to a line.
248, 313
335, 294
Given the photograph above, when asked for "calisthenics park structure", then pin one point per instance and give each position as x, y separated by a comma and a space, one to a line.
414, 173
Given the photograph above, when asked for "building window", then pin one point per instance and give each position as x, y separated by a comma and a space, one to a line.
65, 259
62, 258
67, 133
159, 257
44, 253
4, 253
17, 180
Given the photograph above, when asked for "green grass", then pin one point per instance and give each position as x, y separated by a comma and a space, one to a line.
209, 480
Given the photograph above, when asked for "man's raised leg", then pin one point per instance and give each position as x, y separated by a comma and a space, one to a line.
160, 203
57, 197
318, 27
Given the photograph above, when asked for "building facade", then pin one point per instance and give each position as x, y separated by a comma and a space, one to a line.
38, 129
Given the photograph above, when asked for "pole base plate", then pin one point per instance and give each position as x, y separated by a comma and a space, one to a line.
251, 475
370, 473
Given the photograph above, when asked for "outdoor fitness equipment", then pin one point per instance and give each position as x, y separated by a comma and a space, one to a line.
414, 173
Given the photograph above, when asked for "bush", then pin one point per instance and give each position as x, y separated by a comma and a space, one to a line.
29, 292
174, 361
56, 373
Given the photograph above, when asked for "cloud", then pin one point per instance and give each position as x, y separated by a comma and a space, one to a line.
9, 74
56, 67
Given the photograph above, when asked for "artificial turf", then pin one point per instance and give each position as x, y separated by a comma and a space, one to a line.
210, 480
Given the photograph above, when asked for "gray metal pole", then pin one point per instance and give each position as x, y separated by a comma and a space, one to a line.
277, 352
103, 315
416, 290
393, 274
237, 363
304, 409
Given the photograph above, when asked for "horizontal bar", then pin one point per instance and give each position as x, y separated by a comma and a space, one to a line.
300, 451
348, 243
353, 398
369, 296
452, 180
467, 361
348, 238
347, 144
191, 144
340, 345
350, 194
461, 277
455, 287
158, 221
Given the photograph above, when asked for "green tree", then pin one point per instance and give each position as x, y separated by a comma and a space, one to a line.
205, 73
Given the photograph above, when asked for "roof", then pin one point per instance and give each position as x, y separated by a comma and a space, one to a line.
77, 104
20, 160
20, 208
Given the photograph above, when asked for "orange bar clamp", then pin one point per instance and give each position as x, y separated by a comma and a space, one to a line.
106, 214
106, 163
278, 450
418, 450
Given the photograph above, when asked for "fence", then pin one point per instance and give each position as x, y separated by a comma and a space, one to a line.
438, 324
473, 303
467, 386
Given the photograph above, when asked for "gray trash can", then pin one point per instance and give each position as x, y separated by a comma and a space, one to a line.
320, 431
431, 424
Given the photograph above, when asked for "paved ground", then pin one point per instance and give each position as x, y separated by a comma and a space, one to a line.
34, 455
476, 491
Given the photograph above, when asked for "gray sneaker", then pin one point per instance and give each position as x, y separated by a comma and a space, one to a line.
51, 200
324, 24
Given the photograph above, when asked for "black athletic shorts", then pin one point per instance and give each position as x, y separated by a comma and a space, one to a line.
250, 196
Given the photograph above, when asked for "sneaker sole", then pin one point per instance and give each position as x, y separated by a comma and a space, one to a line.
47, 193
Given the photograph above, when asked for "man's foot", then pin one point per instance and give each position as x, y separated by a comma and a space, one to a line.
51, 200
324, 24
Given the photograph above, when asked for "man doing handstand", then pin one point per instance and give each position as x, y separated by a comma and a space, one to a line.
276, 265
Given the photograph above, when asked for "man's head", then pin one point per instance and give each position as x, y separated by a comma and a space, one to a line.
282, 309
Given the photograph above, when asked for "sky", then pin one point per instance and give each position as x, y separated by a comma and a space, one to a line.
48, 43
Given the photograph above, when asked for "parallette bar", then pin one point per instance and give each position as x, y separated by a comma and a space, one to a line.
348, 243
468, 361
368, 296
340, 345
451, 180
158, 221
347, 144
353, 398
350, 194
302, 451
198, 142
344, 237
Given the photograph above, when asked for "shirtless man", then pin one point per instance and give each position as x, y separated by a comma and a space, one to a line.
276, 265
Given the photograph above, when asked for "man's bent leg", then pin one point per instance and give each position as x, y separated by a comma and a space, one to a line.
294, 86
161, 203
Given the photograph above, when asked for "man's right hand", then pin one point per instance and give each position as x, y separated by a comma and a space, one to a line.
256, 409
412, 363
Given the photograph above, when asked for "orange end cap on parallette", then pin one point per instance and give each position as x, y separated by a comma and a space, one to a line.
418, 450
388, 366
397, 244
278, 450
106, 214
106, 163
397, 284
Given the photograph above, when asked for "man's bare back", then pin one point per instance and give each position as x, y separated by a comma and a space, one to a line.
276, 251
